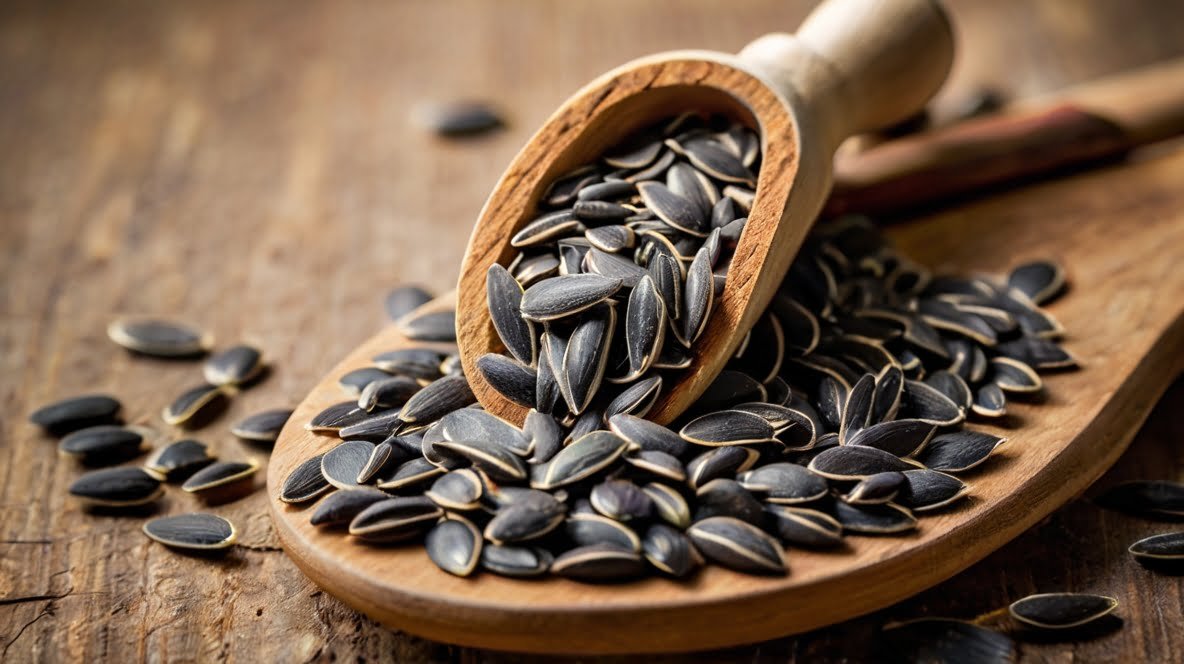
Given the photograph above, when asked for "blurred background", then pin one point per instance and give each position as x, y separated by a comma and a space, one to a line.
256, 166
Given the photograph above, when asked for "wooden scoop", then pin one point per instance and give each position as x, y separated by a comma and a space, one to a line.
854, 66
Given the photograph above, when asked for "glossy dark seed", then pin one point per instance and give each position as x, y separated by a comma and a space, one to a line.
197, 531
784, 483
377, 425
737, 545
1146, 498
621, 500
190, 402
725, 497
336, 417
586, 356
727, 427
179, 459
957, 451
382, 453
460, 119
389, 392
490, 457
926, 403
305, 482
698, 297
900, 437
472, 424
1165, 547
429, 326
438, 399
876, 489
515, 561
104, 444
581, 459
117, 487
234, 366
1014, 376
1061, 610
395, 519
714, 159
512, 379
857, 408
418, 363
669, 504
558, 297
544, 436
503, 296
670, 551
157, 337
454, 544
410, 473
340, 507
1039, 281
855, 462
637, 399
220, 475
989, 401
584, 529
944, 640
678, 211
343, 464
458, 490
76, 413
647, 435
402, 300
598, 563
719, 462
874, 519
530, 516
263, 426
925, 490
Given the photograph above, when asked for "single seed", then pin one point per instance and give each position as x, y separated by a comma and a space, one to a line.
61, 417
402, 300
196, 532
429, 326
1061, 610
558, 297
305, 482
340, 507
454, 544
221, 479
105, 444
503, 296
180, 459
459, 119
598, 563
389, 392
191, 402
263, 426
737, 545
234, 366
159, 338
343, 464
117, 487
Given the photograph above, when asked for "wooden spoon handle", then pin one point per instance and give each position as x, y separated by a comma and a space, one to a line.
858, 65
1084, 124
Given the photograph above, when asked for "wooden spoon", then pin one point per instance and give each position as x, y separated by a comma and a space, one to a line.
854, 66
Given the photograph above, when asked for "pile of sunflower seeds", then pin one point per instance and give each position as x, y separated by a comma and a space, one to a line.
92, 432
842, 413
631, 250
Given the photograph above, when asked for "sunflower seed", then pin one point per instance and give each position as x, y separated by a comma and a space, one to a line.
504, 298
390, 392
607, 190
512, 379
586, 356
669, 504
611, 238
923, 402
530, 516
533, 268
264, 426
159, 338
222, 478
957, 451
719, 462
944, 640
678, 211
196, 532
989, 401
657, 463
925, 490
410, 473
438, 399
855, 462
858, 408
645, 326
1159, 548
1146, 498
454, 544
355, 381
783, 483
646, 435
340, 507
563, 190
395, 519
737, 545
598, 563
490, 457
600, 211
636, 400
403, 300
666, 276
234, 366
583, 458
670, 551
117, 487
515, 561
558, 297
715, 160
471, 424
684, 180
1039, 281
1014, 376
418, 363
191, 402
459, 119
61, 417
429, 326
586, 529
805, 527
544, 435
725, 497
105, 444
305, 482
1037, 353
876, 489
621, 500
900, 437
1061, 610
458, 490
874, 519
698, 296
727, 427
179, 459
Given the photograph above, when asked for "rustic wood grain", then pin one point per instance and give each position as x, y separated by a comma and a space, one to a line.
252, 166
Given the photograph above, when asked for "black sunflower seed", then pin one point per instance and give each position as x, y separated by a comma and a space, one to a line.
179, 459
636, 400
438, 399
510, 378
727, 427
221, 478
805, 527
1014, 376
598, 563
410, 473
715, 160
158, 337
698, 296
1061, 610
458, 490
389, 392
874, 519
645, 326
725, 497
382, 453
694, 186
343, 464
584, 529
1037, 353
419, 363
395, 519
720, 462
197, 531
784, 483
647, 435
1158, 548
657, 463
530, 516
944, 640
490, 457
515, 561
503, 296
957, 451
355, 381
75, 413
586, 356
670, 551
105, 444
925, 490
858, 408
545, 437
117, 487
402, 300
459, 119
429, 326
600, 211
583, 458
737, 545
340, 507
264, 426
927, 403
191, 402
472, 424
1039, 281
621, 500
989, 401
234, 366
547, 228
1146, 498
611, 238
900, 437
305, 482
876, 489
669, 504
678, 211
454, 544
562, 296
855, 462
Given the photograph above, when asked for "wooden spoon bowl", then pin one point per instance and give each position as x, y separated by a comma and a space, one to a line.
855, 65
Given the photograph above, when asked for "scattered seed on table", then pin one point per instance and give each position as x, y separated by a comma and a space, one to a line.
180, 459
158, 337
1061, 610
197, 532
402, 300
66, 415
127, 486
263, 426
234, 366
219, 477
191, 402
105, 444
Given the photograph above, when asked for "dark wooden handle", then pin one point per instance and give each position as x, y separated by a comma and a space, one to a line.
1083, 125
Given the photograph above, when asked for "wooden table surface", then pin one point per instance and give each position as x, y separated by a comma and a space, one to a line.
253, 167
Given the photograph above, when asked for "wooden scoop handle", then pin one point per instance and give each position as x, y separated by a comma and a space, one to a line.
858, 65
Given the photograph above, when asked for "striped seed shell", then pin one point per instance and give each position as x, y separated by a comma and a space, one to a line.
586, 456
389, 392
608, 190
179, 459
946, 640
876, 489
805, 527
925, 490
663, 465
725, 497
621, 500
1146, 498
340, 507
510, 378
395, 519
105, 444
669, 504
636, 400
1037, 353
698, 296
547, 228
473, 424
957, 451
953, 386
158, 337
402, 300
737, 545
1164, 547
264, 426
613, 266
490, 457
855, 462
305, 482
379, 456
900, 437
336, 417
670, 551
666, 275
530, 516
562, 296
586, 357
989, 401
1039, 281
190, 402
677, 211
645, 326
439, 398
76, 413
126, 486
220, 476
544, 435
459, 490
715, 160
727, 427
927, 403
454, 544
503, 296
783, 483
694, 186
234, 366
874, 519
600, 211
611, 238
1061, 610
720, 462
646, 435
410, 473
584, 529
419, 363
196, 532
344, 463
377, 424
598, 563
857, 409
428, 326
1014, 376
